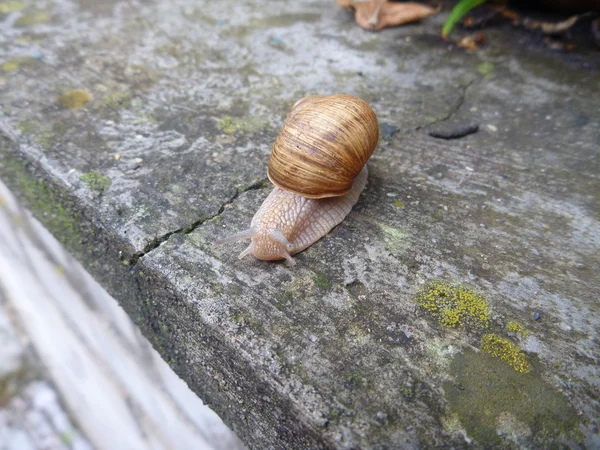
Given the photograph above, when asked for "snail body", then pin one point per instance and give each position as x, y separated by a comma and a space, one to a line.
287, 223
318, 167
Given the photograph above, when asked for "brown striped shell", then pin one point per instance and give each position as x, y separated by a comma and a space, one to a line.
324, 144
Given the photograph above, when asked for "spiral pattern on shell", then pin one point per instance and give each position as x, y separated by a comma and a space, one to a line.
324, 144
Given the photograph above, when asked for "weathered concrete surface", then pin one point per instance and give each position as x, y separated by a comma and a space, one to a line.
77, 347
334, 352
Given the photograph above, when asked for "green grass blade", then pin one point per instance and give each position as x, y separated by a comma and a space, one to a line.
458, 12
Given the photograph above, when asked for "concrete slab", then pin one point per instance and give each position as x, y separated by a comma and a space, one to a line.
139, 133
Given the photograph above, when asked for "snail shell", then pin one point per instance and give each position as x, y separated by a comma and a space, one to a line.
318, 167
324, 144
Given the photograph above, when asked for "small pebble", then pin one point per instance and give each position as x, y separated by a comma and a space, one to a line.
537, 315
455, 133
492, 128
137, 162
485, 266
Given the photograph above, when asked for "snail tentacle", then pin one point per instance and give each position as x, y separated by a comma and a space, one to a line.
246, 234
247, 251
287, 256
278, 236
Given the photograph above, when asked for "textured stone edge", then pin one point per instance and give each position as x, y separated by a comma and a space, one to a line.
227, 382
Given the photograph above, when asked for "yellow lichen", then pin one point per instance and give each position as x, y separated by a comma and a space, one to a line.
507, 351
227, 125
247, 124
76, 98
516, 327
455, 306
11, 6
10, 66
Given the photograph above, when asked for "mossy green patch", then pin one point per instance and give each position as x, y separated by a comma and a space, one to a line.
33, 17
47, 203
96, 181
297, 289
43, 134
116, 100
226, 125
485, 392
11, 6
75, 98
11, 66
321, 281
485, 68
455, 306
244, 319
354, 380
505, 350
247, 124
66, 438
396, 240
516, 327
398, 204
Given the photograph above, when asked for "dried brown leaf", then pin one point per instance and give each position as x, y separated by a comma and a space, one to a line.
379, 14
472, 42
550, 27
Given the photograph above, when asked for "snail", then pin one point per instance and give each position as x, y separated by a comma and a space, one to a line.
318, 167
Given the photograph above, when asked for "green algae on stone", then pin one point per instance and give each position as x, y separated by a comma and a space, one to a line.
66, 438
116, 100
33, 17
75, 98
354, 380
247, 124
41, 133
321, 281
46, 203
500, 407
11, 6
96, 181
396, 240
485, 68
11, 66
454, 306
398, 203
516, 327
226, 125
505, 350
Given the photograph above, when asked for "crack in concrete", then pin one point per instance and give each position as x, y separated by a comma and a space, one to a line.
158, 241
455, 108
